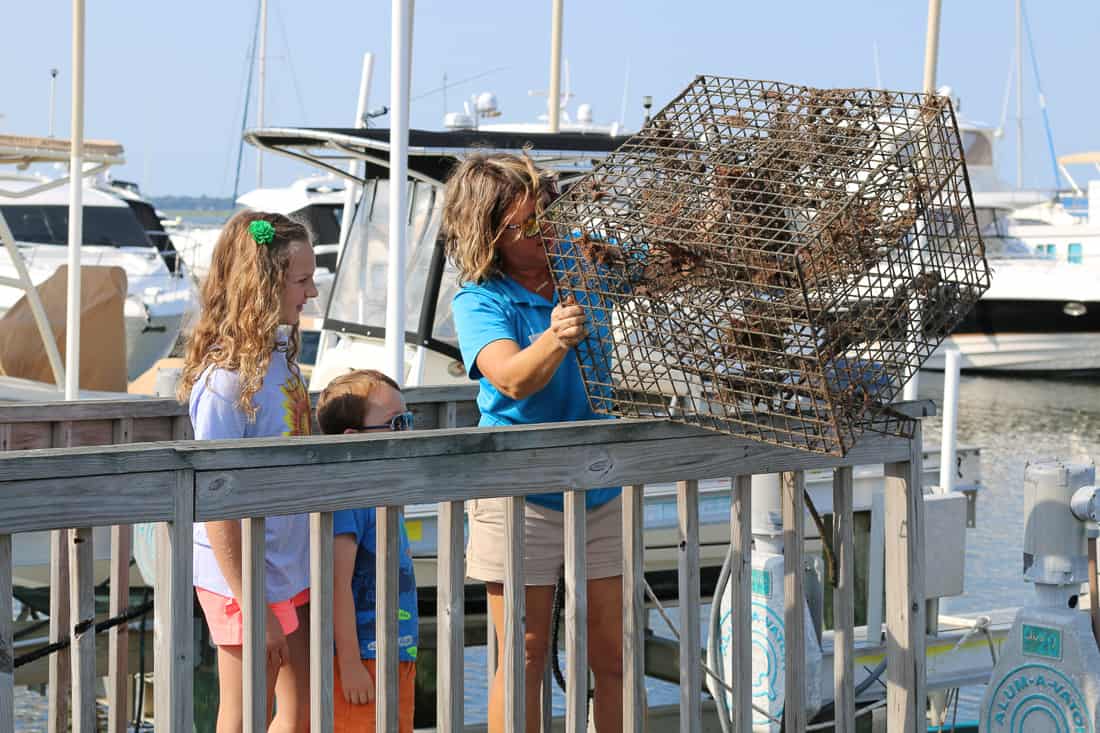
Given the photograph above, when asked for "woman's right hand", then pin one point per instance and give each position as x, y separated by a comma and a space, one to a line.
357, 683
278, 652
567, 324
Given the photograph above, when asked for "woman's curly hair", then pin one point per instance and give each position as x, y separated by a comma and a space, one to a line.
480, 190
238, 325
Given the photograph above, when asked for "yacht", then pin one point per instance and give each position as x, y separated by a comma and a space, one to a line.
317, 200
160, 293
1039, 316
1063, 226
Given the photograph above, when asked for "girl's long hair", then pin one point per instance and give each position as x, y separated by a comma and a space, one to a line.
238, 325
480, 191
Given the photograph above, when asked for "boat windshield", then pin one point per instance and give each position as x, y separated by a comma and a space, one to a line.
108, 226
359, 291
977, 148
323, 221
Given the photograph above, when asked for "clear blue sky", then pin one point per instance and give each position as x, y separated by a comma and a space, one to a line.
167, 79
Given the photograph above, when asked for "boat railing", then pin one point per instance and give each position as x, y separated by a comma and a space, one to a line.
179, 482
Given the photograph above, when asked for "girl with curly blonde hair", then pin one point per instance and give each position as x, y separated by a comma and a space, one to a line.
241, 380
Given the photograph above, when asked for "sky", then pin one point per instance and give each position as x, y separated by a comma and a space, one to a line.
167, 79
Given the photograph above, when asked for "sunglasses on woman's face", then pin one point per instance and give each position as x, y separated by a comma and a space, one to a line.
528, 229
398, 423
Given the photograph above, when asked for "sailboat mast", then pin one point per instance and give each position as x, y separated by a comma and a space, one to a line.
931, 47
262, 63
554, 97
1019, 94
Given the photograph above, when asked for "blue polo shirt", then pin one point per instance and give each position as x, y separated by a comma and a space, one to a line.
498, 309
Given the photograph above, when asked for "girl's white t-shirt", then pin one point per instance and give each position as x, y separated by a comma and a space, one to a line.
282, 409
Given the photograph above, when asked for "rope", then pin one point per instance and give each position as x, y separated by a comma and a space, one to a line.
129, 615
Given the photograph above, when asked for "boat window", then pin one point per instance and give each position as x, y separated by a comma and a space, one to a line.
976, 148
323, 221
1074, 255
111, 226
998, 247
359, 292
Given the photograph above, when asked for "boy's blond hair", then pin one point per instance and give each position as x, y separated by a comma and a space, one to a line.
345, 402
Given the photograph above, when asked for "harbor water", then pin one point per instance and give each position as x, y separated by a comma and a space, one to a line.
1013, 420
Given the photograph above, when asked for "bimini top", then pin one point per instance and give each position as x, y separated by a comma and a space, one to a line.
22, 150
432, 154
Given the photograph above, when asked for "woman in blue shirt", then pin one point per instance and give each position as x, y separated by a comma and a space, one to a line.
518, 341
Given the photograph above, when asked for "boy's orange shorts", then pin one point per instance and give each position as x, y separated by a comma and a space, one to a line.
348, 718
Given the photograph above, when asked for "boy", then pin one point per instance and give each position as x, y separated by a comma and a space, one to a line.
365, 401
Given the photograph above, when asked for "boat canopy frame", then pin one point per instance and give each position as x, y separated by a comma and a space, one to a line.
432, 155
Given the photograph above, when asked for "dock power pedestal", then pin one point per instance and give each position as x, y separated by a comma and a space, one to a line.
1047, 677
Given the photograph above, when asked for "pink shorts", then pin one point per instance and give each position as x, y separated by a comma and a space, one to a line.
223, 615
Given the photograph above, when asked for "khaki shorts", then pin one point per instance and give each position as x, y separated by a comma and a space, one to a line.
544, 548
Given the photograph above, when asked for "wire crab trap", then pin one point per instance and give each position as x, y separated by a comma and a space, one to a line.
771, 261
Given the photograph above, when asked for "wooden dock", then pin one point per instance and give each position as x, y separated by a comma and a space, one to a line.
120, 481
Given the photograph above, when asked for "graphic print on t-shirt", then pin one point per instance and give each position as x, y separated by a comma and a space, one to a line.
296, 407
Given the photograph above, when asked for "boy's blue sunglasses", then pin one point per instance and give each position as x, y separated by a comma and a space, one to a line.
398, 423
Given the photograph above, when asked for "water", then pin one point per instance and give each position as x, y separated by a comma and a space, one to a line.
1013, 420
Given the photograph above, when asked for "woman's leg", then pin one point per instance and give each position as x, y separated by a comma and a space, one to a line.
605, 651
539, 600
292, 685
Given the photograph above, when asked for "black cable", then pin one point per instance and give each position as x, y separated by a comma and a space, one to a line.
555, 631
130, 614
826, 541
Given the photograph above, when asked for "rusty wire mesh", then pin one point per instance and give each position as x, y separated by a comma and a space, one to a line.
778, 260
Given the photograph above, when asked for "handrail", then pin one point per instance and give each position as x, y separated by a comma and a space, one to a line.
181, 482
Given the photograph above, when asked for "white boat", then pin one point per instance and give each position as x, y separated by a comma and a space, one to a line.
317, 201
158, 299
1041, 314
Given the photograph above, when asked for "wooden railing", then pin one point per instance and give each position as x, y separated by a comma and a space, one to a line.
179, 483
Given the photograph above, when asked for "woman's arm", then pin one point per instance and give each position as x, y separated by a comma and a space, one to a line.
358, 687
519, 373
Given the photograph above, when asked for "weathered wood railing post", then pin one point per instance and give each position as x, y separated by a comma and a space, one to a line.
691, 672
905, 607
173, 662
82, 632
118, 678
843, 604
60, 675
741, 585
7, 650
387, 567
634, 697
576, 613
320, 623
60, 678
794, 600
254, 618
450, 605
515, 615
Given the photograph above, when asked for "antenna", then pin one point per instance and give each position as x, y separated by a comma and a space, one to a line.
53, 96
626, 93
